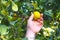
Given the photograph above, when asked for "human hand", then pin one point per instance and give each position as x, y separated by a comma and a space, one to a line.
35, 25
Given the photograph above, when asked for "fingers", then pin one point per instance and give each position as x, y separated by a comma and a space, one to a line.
31, 17
41, 15
41, 20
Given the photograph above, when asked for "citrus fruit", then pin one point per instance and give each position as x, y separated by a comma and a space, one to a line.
36, 15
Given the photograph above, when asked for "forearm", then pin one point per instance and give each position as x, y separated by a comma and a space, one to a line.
30, 35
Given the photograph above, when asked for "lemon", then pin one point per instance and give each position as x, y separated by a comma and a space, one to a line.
36, 15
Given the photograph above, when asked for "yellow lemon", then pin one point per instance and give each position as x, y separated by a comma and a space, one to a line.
36, 15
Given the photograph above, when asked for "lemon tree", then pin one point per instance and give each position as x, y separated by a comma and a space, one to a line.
15, 13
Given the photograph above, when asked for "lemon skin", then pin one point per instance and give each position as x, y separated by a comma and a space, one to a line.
36, 15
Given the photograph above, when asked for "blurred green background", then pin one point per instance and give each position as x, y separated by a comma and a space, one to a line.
15, 13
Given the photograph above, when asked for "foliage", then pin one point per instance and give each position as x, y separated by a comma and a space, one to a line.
15, 13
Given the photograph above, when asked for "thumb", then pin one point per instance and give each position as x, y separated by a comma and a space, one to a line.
31, 17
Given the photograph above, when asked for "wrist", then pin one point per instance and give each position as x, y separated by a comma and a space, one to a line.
30, 35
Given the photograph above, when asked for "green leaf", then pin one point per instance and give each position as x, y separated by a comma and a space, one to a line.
3, 29
14, 6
